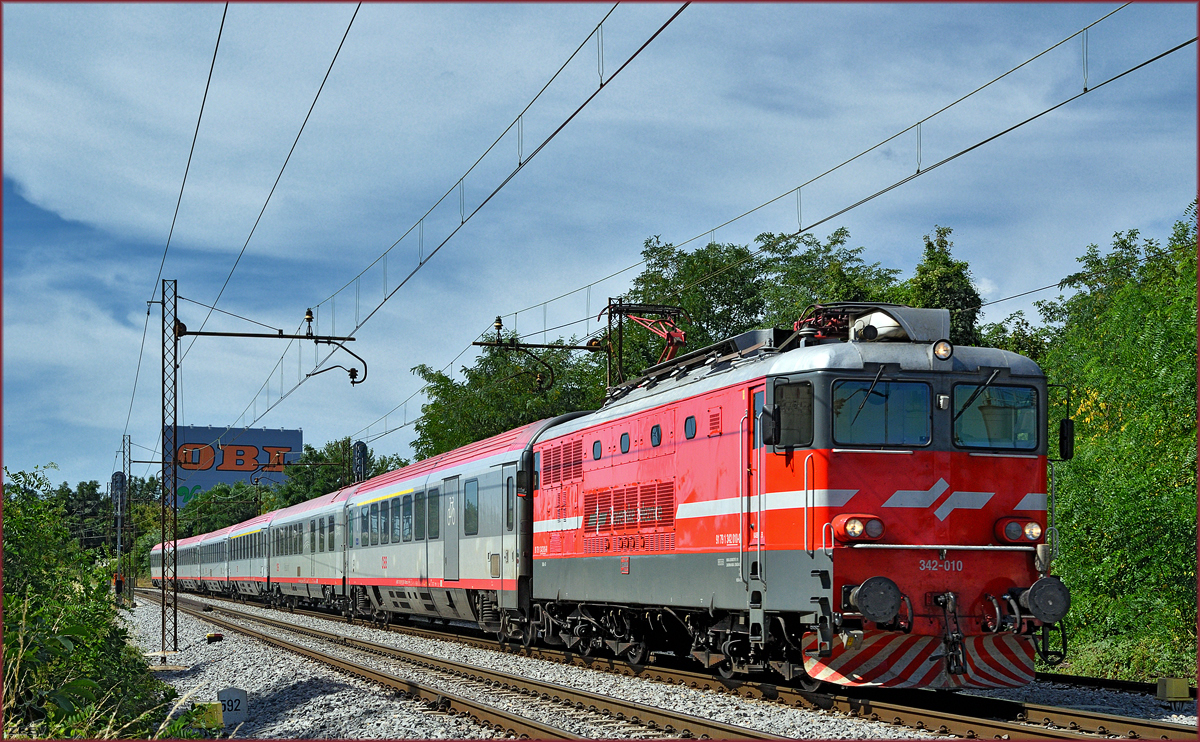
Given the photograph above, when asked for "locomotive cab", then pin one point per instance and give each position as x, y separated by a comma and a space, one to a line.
920, 470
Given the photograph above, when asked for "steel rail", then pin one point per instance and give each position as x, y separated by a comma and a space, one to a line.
919, 709
436, 698
672, 723
1127, 686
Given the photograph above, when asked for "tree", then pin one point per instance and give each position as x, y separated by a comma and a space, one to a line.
802, 271
501, 391
1125, 344
941, 282
321, 471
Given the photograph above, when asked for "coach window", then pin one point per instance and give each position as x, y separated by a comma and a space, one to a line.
384, 513
406, 524
419, 516
624, 442
395, 520
689, 427
795, 403
869, 412
471, 508
597, 449
656, 436
322, 538
365, 526
299, 530
312, 537
431, 503
374, 524
331, 540
510, 499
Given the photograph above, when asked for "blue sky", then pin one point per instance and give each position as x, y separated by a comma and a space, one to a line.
731, 106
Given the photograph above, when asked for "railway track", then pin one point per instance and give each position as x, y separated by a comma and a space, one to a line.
918, 709
609, 717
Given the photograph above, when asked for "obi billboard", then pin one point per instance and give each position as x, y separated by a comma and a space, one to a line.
208, 456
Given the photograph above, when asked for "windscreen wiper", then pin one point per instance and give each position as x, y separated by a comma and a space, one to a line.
974, 394
868, 394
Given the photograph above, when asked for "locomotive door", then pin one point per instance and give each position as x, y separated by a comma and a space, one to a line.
752, 505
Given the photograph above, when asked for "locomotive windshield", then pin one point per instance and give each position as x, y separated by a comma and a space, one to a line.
997, 417
881, 413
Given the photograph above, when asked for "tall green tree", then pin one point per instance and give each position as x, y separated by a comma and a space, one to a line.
801, 271
1125, 343
502, 390
321, 471
941, 282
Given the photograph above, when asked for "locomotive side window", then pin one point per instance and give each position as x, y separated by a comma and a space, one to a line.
689, 427
385, 508
656, 436
795, 402
406, 524
419, 522
996, 417
758, 408
881, 413
624, 442
597, 449
435, 514
471, 508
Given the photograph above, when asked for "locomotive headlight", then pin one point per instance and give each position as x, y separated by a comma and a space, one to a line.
857, 527
1012, 530
943, 349
1033, 531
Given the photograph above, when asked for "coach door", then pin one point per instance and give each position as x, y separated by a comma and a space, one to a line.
451, 507
510, 535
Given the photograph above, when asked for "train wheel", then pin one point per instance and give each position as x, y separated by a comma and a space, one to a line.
637, 653
725, 669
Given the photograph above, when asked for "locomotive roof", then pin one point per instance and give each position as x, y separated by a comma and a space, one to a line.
757, 362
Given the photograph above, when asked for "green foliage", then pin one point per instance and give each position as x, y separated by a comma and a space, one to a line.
945, 283
1126, 346
222, 505
319, 472
501, 392
802, 271
68, 668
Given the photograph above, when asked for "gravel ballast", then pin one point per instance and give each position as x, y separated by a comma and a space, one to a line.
293, 697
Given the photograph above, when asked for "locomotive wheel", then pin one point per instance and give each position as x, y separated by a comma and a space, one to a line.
725, 669
637, 653
807, 683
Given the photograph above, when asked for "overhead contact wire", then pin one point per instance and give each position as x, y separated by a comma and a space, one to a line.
279, 176
153, 289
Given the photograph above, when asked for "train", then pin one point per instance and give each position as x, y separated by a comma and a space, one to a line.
853, 500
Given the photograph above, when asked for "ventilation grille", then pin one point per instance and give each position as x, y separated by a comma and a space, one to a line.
714, 421
563, 463
631, 508
634, 542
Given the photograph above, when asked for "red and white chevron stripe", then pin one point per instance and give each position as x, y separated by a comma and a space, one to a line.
894, 660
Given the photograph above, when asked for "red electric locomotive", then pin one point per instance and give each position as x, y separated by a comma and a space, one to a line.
856, 502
